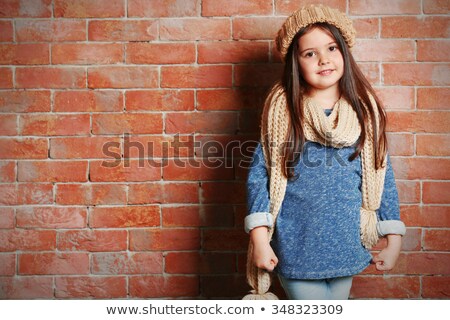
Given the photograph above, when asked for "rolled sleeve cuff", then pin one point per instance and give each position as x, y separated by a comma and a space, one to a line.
257, 219
391, 227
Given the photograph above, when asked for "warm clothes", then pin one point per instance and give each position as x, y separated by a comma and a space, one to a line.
317, 232
310, 211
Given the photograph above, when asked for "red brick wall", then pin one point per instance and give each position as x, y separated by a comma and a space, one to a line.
78, 75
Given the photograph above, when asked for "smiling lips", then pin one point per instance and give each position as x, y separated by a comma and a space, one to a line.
325, 72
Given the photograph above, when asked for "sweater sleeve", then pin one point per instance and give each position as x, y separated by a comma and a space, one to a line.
389, 211
258, 197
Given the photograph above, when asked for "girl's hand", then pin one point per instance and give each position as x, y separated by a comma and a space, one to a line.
263, 255
387, 258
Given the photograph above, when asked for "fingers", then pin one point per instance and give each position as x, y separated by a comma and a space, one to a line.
382, 266
379, 263
265, 259
268, 265
382, 263
271, 265
275, 260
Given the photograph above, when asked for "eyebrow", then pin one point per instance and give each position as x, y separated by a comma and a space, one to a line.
333, 42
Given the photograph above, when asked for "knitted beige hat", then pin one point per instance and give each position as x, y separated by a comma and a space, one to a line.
313, 14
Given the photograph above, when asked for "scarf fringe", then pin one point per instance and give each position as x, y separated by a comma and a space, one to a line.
255, 296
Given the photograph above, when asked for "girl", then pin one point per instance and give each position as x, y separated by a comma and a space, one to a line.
321, 172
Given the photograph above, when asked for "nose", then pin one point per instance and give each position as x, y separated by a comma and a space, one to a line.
324, 59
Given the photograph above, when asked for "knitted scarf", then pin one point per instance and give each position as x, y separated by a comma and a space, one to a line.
340, 129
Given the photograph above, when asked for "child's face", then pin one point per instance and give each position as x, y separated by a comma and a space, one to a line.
320, 60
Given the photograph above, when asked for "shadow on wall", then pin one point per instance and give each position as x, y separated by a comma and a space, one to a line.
223, 254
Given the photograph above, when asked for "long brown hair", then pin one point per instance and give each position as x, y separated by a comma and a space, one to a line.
353, 87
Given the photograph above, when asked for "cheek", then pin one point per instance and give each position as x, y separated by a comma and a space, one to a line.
304, 67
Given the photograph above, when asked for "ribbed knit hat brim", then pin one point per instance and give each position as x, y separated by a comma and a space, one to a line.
309, 15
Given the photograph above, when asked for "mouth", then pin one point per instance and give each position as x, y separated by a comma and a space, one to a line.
325, 72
